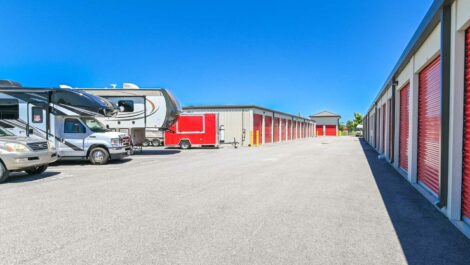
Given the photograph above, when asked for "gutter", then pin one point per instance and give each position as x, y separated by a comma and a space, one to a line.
427, 25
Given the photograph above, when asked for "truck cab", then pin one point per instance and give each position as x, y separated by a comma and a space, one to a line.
87, 138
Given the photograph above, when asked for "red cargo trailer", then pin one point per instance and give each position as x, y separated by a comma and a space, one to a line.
194, 130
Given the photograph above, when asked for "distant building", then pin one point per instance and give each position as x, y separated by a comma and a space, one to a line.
247, 123
327, 123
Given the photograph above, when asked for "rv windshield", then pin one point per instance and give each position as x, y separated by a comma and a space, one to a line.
94, 125
4, 132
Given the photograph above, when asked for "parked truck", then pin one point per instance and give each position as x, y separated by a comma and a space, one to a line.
64, 117
194, 130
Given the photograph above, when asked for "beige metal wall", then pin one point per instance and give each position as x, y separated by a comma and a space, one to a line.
234, 121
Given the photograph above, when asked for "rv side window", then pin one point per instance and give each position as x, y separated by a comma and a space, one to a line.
9, 109
73, 126
126, 105
37, 114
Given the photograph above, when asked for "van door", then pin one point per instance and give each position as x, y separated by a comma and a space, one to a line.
72, 140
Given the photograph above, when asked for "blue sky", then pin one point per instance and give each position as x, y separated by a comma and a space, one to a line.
293, 56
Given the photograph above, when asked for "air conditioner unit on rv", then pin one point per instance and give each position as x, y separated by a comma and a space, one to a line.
130, 86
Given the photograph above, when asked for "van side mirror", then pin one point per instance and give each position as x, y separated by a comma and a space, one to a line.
31, 131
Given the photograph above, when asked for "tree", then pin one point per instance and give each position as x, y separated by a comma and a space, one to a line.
352, 124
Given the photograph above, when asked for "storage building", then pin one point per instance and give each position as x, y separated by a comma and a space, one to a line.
420, 118
247, 123
327, 123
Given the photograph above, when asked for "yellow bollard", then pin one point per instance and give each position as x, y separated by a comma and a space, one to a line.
257, 138
251, 138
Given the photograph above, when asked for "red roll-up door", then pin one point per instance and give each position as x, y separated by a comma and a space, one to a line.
268, 129
429, 125
466, 135
284, 130
319, 130
330, 130
276, 130
257, 128
404, 126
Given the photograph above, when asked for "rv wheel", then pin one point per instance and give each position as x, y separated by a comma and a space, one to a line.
156, 142
4, 173
185, 144
36, 170
146, 143
99, 156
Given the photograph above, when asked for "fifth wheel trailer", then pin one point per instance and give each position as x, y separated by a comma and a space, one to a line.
66, 118
427, 94
141, 111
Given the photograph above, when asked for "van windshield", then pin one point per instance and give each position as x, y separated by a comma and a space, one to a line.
94, 125
4, 132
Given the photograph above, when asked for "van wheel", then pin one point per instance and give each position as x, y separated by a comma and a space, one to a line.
156, 142
146, 143
99, 156
185, 144
4, 173
36, 170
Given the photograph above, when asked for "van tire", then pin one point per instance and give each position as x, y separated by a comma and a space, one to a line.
36, 170
4, 173
185, 144
98, 156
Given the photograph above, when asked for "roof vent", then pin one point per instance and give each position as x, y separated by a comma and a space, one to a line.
9, 83
130, 86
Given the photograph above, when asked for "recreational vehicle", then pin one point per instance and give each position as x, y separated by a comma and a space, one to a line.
141, 110
66, 118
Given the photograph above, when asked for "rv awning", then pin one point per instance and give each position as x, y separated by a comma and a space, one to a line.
65, 101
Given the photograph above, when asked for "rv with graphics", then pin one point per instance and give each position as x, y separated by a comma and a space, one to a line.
66, 118
141, 111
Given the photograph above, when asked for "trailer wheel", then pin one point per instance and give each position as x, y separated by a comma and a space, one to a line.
185, 144
146, 143
4, 173
99, 156
156, 142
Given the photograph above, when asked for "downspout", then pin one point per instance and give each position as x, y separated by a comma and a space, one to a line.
375, 126
445, 103
392, 130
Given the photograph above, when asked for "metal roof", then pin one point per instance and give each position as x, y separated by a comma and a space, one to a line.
325, 114
427, 25
242, 107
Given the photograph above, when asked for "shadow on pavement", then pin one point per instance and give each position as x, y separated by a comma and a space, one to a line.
23, 177
426, 235
158, 152
88, 163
